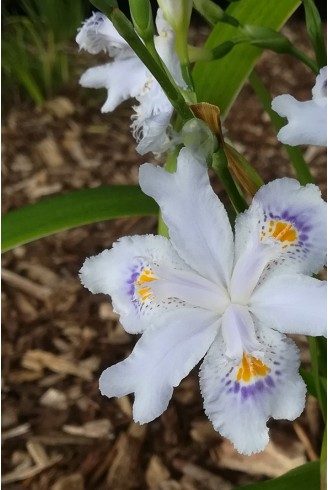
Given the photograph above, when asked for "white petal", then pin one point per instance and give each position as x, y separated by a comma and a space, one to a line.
163, 356
116, 271
152, 119
145, 278
249, 268
307, 121
295, 217
292, 303
238, 332
175, 12
165, 46
239, 400
320, 89
198, 224
123, 78
98, 34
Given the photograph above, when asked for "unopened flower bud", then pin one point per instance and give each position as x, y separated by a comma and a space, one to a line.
198, 137
142, 18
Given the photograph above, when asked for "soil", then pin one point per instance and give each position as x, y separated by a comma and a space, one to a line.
58, 431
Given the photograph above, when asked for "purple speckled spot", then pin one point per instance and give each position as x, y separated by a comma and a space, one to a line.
269, 381
278, 373
306, 228
228, 382
259, 386
276, 363
236, 387
285, 215
230, 390
304, 237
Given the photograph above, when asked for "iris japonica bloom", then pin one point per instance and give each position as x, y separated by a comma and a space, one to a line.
126, 76
307, 121
205, 292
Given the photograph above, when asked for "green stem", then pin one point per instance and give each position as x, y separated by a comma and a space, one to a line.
220, 166
323, 462
305, 59
301, 168
125, 28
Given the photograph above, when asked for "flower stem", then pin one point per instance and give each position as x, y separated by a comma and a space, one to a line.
220, 166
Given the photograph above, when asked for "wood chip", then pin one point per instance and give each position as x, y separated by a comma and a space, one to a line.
61, 107
203, 432
37, 453
126, 461
271, 462
97, 429
49, 153
19, 475
303, 437
37, 360
20, 430
156, 472
70, 482
41, 293
55, 399
207, 478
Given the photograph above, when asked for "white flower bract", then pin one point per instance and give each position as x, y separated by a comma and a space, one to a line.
126, 76
307, 121
228, 298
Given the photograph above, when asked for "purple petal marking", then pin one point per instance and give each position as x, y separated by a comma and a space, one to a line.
269, 381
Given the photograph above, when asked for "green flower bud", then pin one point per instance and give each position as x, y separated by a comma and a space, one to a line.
263, 37
142, 18
198, 137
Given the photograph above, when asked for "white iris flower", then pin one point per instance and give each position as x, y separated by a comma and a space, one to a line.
307, 121
204, 292
126, 76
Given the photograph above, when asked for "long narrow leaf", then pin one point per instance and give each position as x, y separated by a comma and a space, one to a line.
73, 209
220, 81
305, 477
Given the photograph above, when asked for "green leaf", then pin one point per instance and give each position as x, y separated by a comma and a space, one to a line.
315, 31
305, 477
219, 82
73, 209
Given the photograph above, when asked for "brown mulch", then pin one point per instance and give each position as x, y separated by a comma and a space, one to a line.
58, 431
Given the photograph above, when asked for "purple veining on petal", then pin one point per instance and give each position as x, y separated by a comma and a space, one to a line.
244, 392
228, 382
252, 390
278, 373
276, 363
236, 387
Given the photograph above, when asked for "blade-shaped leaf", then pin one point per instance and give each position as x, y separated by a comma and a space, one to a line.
220, 81
304, 477
73, 209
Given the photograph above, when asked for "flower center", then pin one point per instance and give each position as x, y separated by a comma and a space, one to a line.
282, 231
145, 276
250, 367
